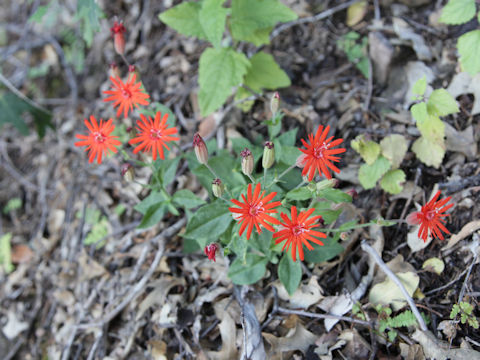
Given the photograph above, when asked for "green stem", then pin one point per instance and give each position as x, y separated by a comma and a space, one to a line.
217, 177
264, 176
251, 179
282, 175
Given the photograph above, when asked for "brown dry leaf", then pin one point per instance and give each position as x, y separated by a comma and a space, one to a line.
467, 230
439, 350
449, 328
411, 352
356, 12
89, 268
405, 32
381, 52
461, 141
228, 335
356, 346
297, 338
14, 326
463, 83
21, 254
157, 349
305, 296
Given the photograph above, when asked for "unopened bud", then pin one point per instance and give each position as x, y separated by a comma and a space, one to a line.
118, 31
268, 155
247, 161
274, 102
113, 71
127, 172
211, 250
200, 149
344, 236
326, 184
353, 193
301, 160
321, 221
217, 187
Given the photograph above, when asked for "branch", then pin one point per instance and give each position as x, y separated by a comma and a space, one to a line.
374, 255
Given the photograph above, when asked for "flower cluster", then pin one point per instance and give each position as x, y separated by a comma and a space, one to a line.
153, 135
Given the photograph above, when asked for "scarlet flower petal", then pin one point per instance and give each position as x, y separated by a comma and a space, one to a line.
430, 218
99, 140
126, 95
254, 211
298, 232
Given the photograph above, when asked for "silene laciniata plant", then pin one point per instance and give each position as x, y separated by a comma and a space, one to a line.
222, 66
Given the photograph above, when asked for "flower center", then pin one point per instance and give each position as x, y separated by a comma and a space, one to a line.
430, 215
126, 93
99, 137
255, 210
155, 134
319, 150
298, 229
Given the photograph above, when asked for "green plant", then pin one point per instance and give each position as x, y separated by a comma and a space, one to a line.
222, 67
458, 12
5, 253
387, 322
355, 47
382, 162
12, 205
430, 147
465, 310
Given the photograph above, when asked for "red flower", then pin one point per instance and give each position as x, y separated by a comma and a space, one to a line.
298, 232
211, 251
99, 140
430, 218
318, 155
254, 211
153, 135
126, 94
117, 31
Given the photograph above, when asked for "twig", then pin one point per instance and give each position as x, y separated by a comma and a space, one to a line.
447, 285
320, 16
323, 316
374, 255
460, 184
464, 285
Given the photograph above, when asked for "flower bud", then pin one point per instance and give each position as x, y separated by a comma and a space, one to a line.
200, 149
268, 155
300, 162
274, 102
353, 193
211, 250
217, 187
117, 31
113, 71
128, 172
326, 184
247, 161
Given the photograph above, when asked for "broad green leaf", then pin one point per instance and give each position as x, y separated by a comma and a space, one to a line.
328, 251
302, 193
261, 242
264, 73
152, 199
335, 195
288, 155
419, 87
441, 103
288, 138
323, 209
458, 12
368, 175
419, 112
210, 221
433, 129
12, 109
394, 147
248, 271
89, 13
6, 253
249, 16
368, 150
212, 17
392, 180
260, 36
185, 18
428, 152
153, 215
219, 71
187, 199
289, 273
468, 46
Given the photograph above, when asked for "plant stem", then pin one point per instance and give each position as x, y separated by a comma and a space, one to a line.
282, 175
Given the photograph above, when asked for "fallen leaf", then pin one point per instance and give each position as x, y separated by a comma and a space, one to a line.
405, 32
305, 296
14, 326
449, 328
467, 230
228, 334
463, 83
434, 264
21, 254
439, 350
461, 141
337, 305
356, 12
356, 346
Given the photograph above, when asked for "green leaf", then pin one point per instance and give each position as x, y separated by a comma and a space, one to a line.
249, 16
12, 109
219, 71
167, 169
468, 46
289, 273
12, 205
248, 271
394, 147
98, 232
368, 175
392, 180
185, 18
153, 215
302, 193
5, 253
261, 242
433, 129
328, 215
187, 199
328, 251
152, 199
38, 15
288, 155
260, 37
212, 17
441, 103
430, 153
210, 221
458, 12
288, 138
264, 73
89, 13
368, 150
419, 87
419, 112
335, 195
